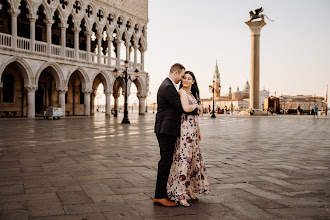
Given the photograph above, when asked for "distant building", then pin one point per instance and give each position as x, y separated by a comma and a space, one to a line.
306, 102
238, 100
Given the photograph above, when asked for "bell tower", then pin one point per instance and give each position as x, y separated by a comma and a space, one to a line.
216, 80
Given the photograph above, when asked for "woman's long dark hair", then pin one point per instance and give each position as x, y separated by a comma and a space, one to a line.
194, 87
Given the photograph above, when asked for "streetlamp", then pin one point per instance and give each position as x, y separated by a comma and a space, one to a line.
125, 77
213, 91
149, 94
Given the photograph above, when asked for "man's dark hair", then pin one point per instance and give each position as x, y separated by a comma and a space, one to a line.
177, 67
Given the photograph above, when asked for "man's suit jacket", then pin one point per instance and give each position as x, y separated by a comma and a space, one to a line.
169, 110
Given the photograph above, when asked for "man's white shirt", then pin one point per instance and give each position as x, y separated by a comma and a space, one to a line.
175, 85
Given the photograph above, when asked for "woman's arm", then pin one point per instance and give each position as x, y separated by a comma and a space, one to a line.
184, 102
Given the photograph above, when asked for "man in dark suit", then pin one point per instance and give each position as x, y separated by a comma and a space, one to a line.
167, 129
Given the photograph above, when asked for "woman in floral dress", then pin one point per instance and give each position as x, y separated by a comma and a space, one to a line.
188, 173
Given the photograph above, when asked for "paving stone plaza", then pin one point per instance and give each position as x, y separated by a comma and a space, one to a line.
97, 168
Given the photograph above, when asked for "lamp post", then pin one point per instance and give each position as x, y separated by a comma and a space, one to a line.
126, 77
149, 94
213, 90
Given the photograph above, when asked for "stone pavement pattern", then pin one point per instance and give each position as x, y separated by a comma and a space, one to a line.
96, 168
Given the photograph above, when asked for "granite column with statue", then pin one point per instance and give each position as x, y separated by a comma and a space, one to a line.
255, 28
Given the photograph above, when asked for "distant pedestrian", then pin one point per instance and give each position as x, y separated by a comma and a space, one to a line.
298, 110
316, 109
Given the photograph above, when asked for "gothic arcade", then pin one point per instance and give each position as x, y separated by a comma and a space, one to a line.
57, 52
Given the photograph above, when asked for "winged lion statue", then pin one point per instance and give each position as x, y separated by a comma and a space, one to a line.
256, 15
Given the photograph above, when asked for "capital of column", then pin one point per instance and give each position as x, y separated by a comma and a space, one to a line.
14, 12
119, 41
76, 29
135, 47
128, 44
62, 91
141, 96
255, 26
63, 26
143, 49
107, 93
31, 88
98, 36
32, 17
88, 33
109, 38
49, 22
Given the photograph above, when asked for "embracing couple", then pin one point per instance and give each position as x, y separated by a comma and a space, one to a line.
181, 169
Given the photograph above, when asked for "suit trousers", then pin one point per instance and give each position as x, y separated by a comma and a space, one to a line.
166, 145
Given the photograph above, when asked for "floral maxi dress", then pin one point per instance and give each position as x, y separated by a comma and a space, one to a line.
188, 173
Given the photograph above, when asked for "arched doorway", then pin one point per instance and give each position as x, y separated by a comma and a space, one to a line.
74, 98
46, 95
13, 97
98, 103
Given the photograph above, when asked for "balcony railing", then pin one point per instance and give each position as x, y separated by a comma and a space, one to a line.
5, 39
113, 61
104, 59
82, 55
94, 57
41, 47
23, 43
56, 50
69, 52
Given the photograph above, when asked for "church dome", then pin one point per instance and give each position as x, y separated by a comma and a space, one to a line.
246, 87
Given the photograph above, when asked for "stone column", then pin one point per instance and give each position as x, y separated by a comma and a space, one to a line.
108, 103
142, 58
87, 101
142, 105
32, 19
118, 52
99, 49
31, 97
255, 28
109, 50
61, 100
63, 38
127, 51
76, 42
88, 45
49, 24
135, 56
14, 13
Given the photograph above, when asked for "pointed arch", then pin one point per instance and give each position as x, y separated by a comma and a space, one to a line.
74, 19
86, 22
106, 81
47, 11
141, 88
25, 69
82, 74
60, 15
29, 5
57, 74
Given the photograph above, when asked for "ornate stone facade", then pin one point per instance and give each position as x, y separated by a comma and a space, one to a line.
57, 52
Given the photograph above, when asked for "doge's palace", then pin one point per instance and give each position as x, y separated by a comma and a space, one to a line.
57, 52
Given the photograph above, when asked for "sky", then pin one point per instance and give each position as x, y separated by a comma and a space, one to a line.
294, 49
